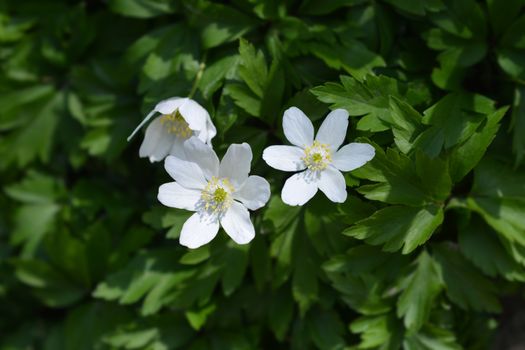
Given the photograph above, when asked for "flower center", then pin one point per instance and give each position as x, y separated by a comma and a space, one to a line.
317, 156
175, 124
216, 197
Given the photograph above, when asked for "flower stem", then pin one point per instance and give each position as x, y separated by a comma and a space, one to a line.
198, 77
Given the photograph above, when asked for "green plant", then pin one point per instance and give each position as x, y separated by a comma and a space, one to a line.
422, 254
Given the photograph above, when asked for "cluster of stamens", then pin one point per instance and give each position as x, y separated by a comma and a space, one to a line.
317, 156
175, 124
216, 196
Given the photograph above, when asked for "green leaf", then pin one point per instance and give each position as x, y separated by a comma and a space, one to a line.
518, 124
51, 286
354, 57
363, 293
305, 287
244, 98
498, 195
222, 24
453, 120
146, 276
235, 262
141, 8
36, 139
481, 246
400, 181
382, 332
197, 318
464, 157
253, 69
422, 288
406, 124
369, 98
326, 330
431, 338
280, 313
216, 73
398, 227
13, 101
464, 284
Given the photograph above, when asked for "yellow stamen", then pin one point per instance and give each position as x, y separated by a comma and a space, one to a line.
317, 156
216, 196
175, 124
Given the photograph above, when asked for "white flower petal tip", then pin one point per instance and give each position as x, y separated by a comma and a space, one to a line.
321, 159
198, 231
286, 158
254, 193
299, 188
220, 193
332, 131
297, 127
181, 118
353, 156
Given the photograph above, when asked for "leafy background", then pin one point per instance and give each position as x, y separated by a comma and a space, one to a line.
428, 252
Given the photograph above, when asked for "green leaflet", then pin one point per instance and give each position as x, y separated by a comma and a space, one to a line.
464, 284
423, 286
498, 196
369, 98
481, 246
398, 227
400, 181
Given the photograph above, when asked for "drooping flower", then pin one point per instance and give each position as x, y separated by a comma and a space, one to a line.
321, 159
220, 193
180, 119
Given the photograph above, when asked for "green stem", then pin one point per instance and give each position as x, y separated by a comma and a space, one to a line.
198, 77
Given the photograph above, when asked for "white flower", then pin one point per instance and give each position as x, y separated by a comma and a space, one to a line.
322, 158
219, 193
180, 119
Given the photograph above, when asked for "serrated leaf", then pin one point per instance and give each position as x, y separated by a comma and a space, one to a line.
141, 8
464, 157
398, 227
498, 195
431, 338
381, 332
369, 98
464, 284
481, 246
417, 299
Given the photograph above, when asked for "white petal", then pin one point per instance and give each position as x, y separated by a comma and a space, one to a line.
198, 152
175, 196
170, 105
208, 132
286, 158
237, 224
157, 142
198, 230
194, 114
299, 188
235, 164
297, 128
332, 184
333, 130
353, 156
187, 174
254, 193
177, 149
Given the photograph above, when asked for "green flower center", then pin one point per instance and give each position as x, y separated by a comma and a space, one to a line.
216, 196
219, 195
317, 156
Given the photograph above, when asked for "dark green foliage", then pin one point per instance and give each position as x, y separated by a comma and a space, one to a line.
424, 254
